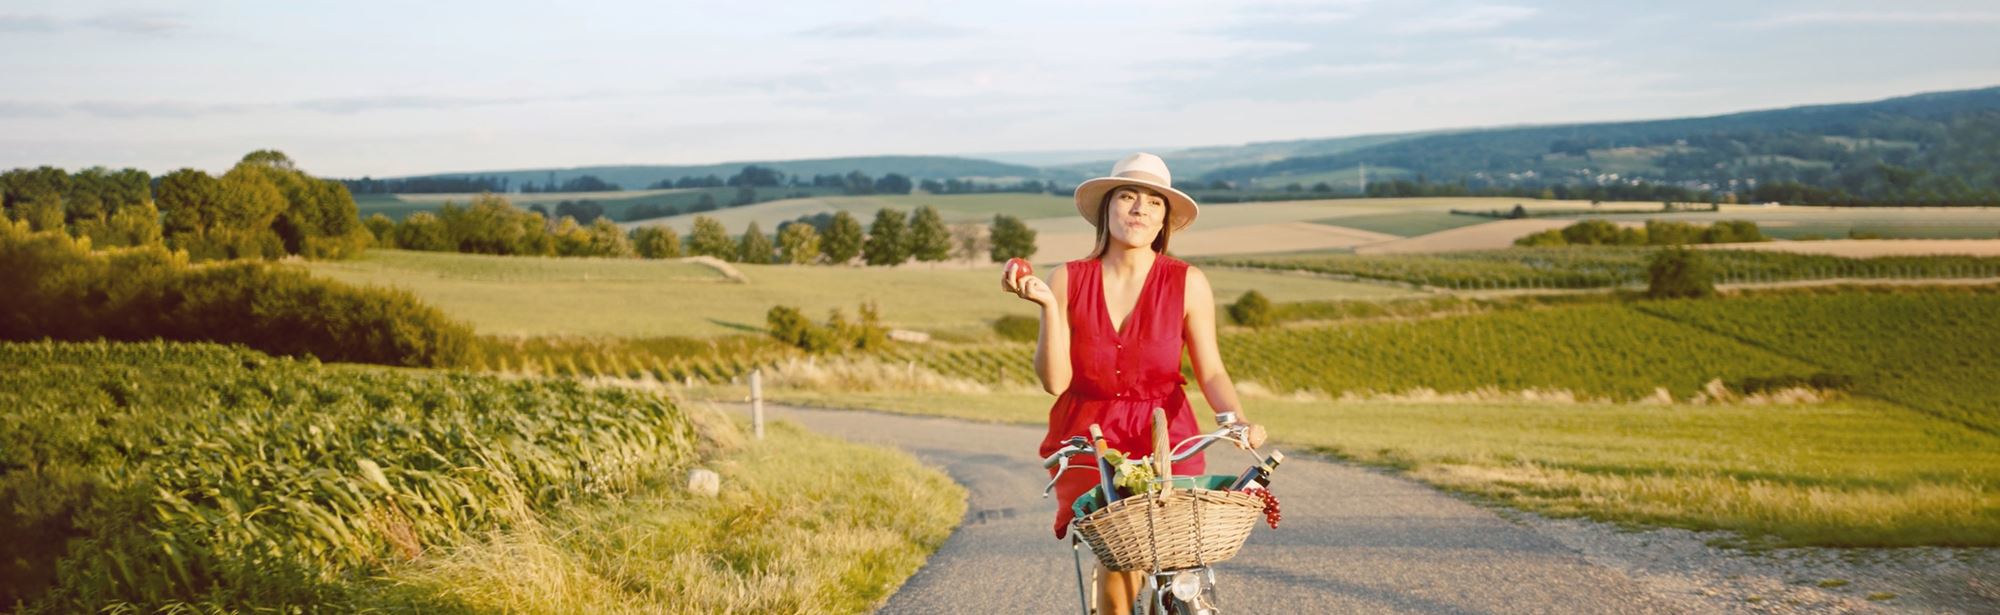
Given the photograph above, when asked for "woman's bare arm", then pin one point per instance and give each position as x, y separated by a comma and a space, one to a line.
1052, 348
1209, 372
1207, 358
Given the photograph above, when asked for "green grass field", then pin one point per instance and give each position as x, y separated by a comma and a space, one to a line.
638, 298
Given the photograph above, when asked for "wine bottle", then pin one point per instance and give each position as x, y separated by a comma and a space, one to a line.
1105, 472
1259, 475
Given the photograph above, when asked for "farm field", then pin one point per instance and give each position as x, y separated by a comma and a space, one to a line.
638, 298
1576, 267
1405, 224
1870, 248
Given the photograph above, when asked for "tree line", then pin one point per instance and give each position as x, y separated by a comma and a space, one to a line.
491, 225
264, 207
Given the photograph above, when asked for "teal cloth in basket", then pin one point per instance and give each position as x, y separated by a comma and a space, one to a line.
1094, 499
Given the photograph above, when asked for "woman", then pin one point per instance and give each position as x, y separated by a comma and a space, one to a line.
1113, 328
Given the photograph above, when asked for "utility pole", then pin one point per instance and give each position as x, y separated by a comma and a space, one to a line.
1364, 179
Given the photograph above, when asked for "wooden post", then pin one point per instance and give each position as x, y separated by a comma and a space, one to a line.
757, 402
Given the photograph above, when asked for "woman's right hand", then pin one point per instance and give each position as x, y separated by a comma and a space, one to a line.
1027, 287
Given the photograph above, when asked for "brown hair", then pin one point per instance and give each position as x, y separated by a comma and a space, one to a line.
1104, 216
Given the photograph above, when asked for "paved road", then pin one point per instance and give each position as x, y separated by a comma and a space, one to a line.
1352, 541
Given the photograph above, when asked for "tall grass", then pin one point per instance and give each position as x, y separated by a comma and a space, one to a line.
805, 524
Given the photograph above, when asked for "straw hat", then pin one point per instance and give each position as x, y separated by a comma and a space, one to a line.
1139, 169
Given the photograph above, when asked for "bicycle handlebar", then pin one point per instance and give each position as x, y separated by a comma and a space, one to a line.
1078, 445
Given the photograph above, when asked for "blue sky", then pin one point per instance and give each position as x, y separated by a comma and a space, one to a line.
360, 87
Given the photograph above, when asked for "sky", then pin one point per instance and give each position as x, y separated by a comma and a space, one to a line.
364, 88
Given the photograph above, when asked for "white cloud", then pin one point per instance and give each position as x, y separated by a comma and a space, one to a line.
1941, 18
1473, 19
888, 28
144, 23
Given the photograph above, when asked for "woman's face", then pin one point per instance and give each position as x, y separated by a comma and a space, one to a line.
1135, 216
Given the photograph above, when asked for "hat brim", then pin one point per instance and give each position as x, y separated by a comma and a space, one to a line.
1090, 194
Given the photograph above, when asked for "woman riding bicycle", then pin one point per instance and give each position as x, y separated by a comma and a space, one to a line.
1113, 328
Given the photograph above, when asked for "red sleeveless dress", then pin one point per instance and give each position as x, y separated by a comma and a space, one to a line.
1118, 377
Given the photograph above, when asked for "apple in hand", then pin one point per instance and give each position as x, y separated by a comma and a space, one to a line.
1018, 268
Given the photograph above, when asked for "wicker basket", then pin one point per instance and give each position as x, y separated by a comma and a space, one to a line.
1184, 529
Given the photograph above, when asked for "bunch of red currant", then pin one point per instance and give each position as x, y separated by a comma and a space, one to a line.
1271, 514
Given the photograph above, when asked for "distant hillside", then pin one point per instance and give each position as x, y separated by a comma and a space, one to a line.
1198, 161
1928, 148
640, 176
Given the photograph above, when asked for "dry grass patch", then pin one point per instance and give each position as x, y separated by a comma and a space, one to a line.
804, 524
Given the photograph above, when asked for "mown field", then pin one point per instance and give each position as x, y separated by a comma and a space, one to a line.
151, 477
637, 298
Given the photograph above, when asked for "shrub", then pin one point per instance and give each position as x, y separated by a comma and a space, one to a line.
787, 324
1678, 272
1253, 310
61, 290
1823, 381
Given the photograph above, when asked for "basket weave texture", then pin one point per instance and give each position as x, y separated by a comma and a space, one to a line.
1187, 528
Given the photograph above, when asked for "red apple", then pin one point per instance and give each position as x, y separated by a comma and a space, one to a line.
1018, 268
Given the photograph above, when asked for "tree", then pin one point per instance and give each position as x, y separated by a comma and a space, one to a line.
893, 183
888, 239
970, 239
756, 176
1591, 233
798, 243
571, 238
606, 239
1671, 232
189, 200
843, 239
930, 242
585, 211
250, 200
42, 213
656, 242
424, 231
382, 229
132, 225
1011, 238
755, 246
710, 238
1679, 272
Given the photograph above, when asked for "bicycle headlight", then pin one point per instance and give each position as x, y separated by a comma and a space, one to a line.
1187, 586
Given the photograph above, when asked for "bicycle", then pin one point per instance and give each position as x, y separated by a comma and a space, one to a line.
1181, 585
